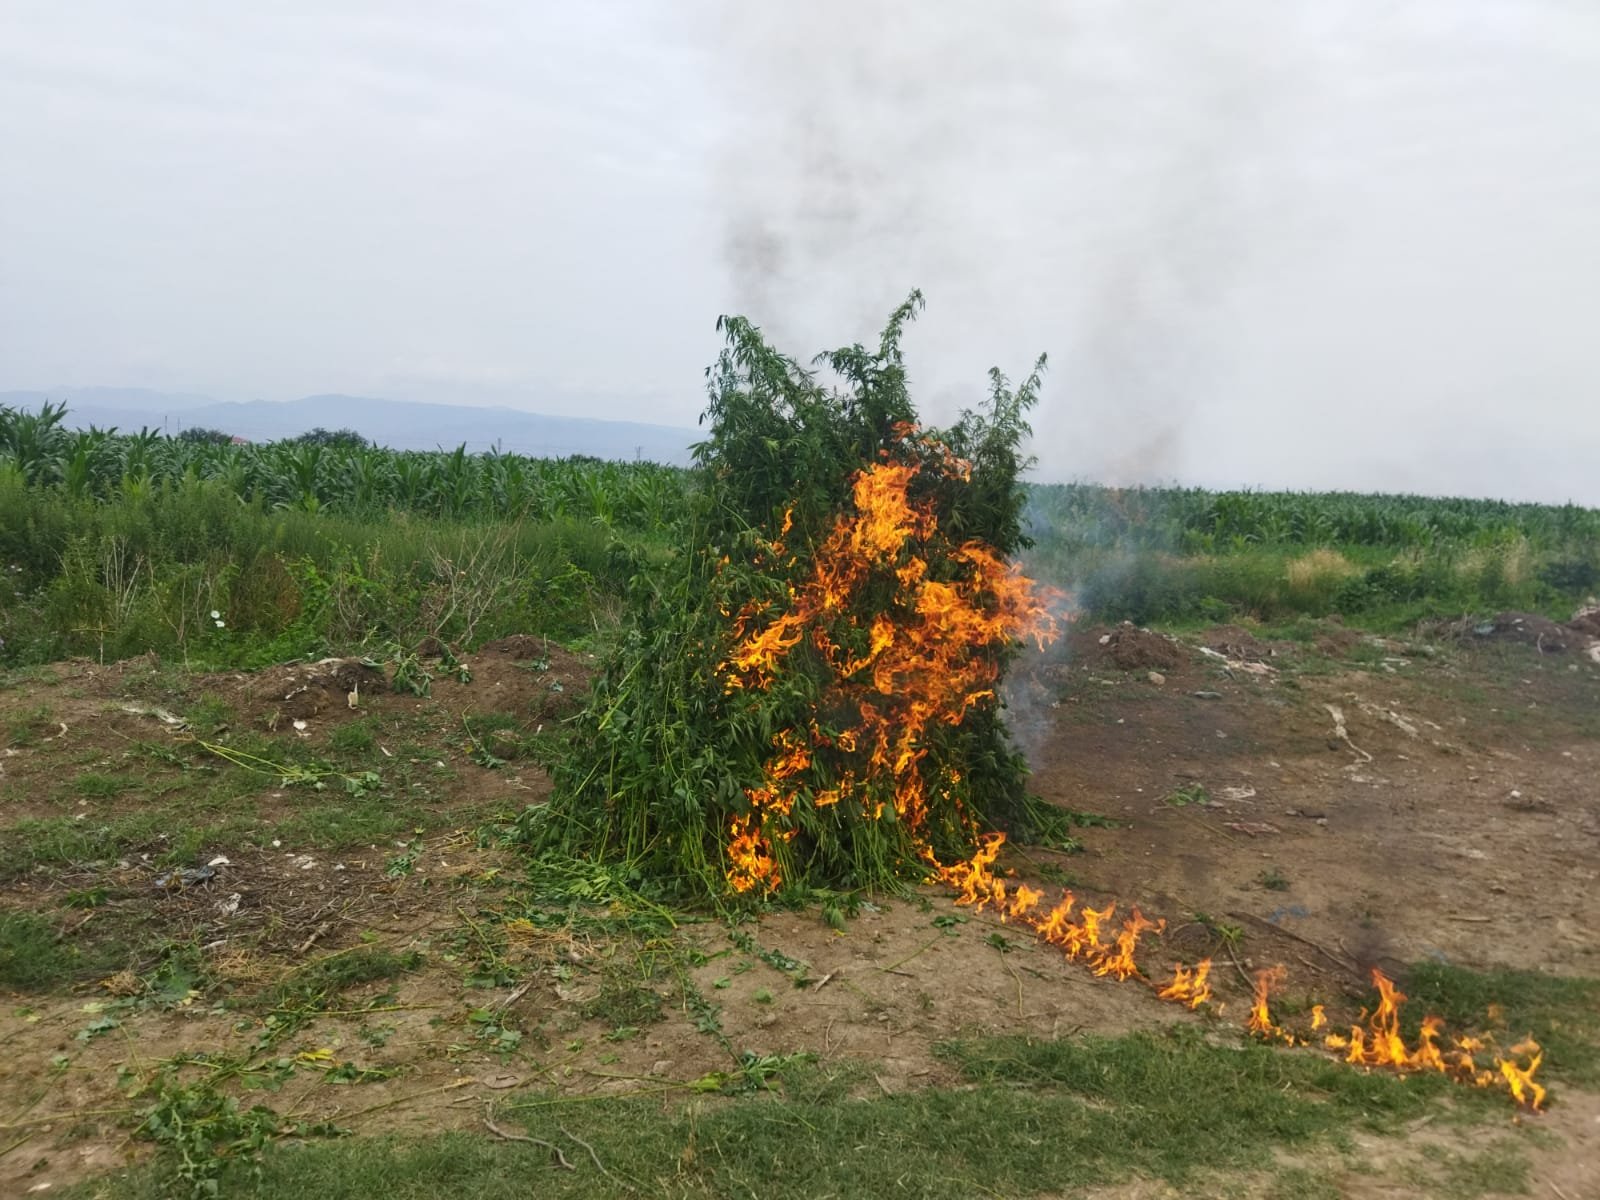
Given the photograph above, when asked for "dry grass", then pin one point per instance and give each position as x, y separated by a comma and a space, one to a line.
1510, 564
1319, 570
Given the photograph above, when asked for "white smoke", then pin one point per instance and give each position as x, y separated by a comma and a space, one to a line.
1264, 244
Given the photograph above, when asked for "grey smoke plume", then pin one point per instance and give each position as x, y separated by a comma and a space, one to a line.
1306, 244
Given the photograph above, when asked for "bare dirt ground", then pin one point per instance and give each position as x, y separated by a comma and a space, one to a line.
1454, 818
1341, 803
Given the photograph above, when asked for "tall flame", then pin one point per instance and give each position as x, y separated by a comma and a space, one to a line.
1379, 1043
1268, 981
918, 652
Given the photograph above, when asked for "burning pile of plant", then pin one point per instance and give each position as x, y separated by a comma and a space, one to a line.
807, 693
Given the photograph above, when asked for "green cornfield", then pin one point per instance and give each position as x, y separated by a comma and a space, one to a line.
114, 544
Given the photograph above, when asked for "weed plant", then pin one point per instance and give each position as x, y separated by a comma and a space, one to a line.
669, 754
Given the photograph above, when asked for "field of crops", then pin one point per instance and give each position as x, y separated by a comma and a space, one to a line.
1185, 554
333, 473
113, 544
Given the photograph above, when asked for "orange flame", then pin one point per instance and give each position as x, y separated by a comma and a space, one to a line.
922, 659
926, 657
751, 856
1189, 987
975, 883
1519, 1080
1268, 981
1379, 1043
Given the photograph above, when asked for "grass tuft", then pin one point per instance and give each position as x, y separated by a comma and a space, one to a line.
31, 956
317, 981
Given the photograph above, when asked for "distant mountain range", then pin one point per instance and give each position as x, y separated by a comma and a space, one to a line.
398, 424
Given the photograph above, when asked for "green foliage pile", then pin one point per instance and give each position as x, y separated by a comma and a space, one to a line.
661, 759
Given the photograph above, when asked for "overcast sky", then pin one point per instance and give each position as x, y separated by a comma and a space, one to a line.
1302, 243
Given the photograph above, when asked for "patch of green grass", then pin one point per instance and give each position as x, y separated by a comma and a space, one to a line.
1228, 935
497, 737
31, 956
334, 817
100, 787
1301, 629
203, 1130
1232, 1095
1189, 793
624, 1003
1035, 1117
354, 737
313, 983
34, 958
1562, 1014
271, 761
169, 834
28, 727
209, 715
1302, 1183
1274, 880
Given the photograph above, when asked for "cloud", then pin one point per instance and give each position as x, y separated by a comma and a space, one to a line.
305, 197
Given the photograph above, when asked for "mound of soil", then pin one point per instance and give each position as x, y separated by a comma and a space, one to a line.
1533, 630
528, 674
519, 647
1586, 621
1131, 648
1337, 641
298, 693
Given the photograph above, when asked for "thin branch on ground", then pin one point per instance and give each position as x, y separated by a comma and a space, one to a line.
561, 1159
599, 1166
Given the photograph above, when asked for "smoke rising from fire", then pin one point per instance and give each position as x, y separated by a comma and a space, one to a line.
1305, 245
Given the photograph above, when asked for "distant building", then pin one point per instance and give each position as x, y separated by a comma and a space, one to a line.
238, 441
